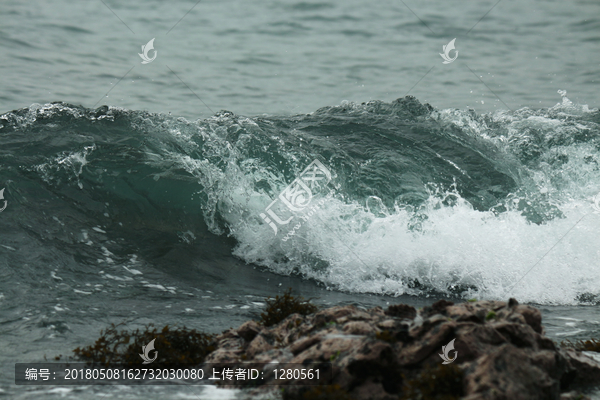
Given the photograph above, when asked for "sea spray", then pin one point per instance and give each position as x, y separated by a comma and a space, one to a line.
428, 201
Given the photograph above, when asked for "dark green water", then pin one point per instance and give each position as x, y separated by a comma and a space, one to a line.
115, 215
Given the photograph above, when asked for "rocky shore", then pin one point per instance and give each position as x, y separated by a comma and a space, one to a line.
500, 352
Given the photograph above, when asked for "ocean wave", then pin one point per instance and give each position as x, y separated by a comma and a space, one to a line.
410, 199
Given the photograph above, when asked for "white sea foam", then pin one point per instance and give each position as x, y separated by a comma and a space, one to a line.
451, 247
480, 254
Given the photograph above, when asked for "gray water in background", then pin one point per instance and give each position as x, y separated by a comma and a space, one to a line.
282, 57
275, 58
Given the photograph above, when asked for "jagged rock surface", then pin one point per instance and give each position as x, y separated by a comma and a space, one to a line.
502, 352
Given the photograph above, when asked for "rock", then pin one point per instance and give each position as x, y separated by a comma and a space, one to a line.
371, 389
533, 316
583, 370
518, 334
358, 328
439, 307
401, 311
258, 345
506, 374
431, 341
419, 329
498, 351
475, 340
378, 311
333, 314
249, 330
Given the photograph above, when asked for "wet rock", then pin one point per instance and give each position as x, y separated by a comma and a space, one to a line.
258, 345
401, 311
582, 370
333, 314
485, 350
475, 340
439, 307
358, 328
304, 343
505, 373
249, 330
518, 334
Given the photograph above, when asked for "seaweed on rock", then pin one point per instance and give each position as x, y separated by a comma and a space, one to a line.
283, 306
582, 345
177, 346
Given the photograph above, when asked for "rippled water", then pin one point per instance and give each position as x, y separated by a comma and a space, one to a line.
296, 56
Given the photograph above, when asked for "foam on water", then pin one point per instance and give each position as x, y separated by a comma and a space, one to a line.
539, 244
421, 201
456, 249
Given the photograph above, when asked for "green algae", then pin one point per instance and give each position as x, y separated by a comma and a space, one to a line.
490, 315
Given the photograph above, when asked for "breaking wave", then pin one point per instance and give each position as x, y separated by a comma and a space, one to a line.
400, 198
